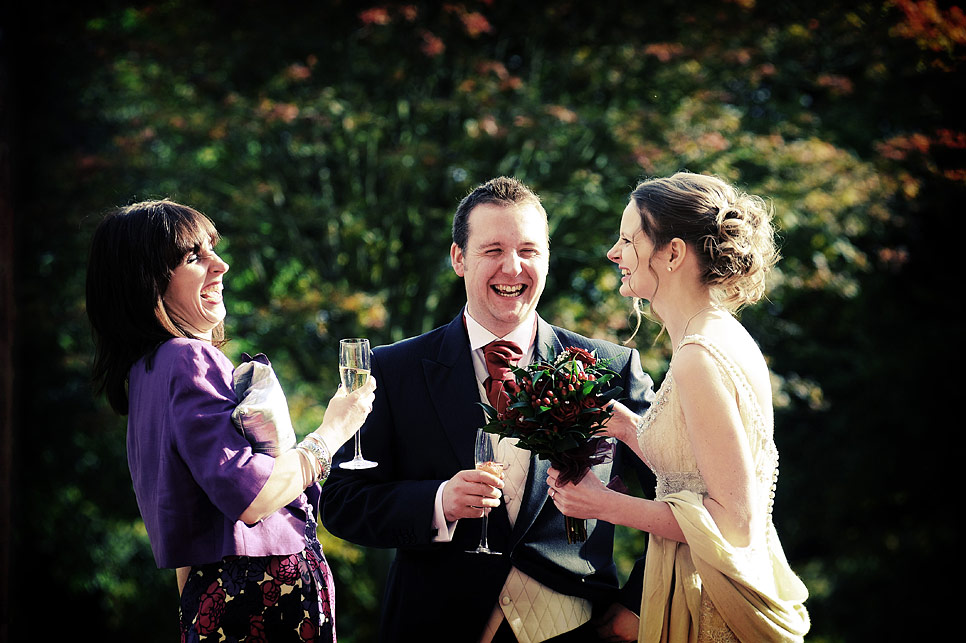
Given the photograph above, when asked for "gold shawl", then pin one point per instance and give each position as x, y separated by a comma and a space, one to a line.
755, 592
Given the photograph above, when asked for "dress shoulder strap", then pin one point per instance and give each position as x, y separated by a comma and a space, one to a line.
729, 366
764, 451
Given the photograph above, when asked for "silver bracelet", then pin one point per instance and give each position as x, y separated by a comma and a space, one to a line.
314, 445
313, 463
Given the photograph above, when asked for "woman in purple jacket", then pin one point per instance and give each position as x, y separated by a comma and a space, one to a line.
238, 525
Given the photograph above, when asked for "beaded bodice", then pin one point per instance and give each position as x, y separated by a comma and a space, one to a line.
663, 437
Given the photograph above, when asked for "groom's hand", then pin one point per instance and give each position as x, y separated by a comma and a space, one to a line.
466, 493
617, 625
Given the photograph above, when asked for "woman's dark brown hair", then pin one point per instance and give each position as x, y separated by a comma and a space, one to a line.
133, 253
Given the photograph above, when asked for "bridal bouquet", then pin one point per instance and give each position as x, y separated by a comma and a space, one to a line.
557, 408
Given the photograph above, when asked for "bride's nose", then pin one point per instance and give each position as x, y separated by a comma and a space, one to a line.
613, 255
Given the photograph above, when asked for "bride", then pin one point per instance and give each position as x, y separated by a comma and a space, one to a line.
698, 249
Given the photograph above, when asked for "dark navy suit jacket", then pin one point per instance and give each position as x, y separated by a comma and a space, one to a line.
421, 432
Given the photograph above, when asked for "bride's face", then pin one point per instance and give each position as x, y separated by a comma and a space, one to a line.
632, 253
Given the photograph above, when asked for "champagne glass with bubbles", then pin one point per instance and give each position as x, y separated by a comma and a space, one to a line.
486, 460
354, 364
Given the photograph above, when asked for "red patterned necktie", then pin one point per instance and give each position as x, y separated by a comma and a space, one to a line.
499, 357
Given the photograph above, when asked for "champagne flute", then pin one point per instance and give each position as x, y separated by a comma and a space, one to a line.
485, 458
354, 365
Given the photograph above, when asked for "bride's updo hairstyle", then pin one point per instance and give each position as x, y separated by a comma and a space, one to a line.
730, 231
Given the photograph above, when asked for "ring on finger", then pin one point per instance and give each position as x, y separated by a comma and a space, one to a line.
553, 492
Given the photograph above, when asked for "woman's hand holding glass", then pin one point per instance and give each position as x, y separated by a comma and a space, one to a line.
343, 417
355, 364
345, 414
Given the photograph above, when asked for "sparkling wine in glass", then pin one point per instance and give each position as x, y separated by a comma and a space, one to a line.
354, 365
486, 460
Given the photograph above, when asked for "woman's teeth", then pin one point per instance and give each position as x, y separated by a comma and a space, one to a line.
211, 294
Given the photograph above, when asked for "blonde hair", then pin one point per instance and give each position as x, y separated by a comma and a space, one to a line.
731, 231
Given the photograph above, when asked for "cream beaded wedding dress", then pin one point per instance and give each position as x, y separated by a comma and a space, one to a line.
708, 589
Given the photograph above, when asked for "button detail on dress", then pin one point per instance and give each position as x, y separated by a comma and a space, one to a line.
505, 600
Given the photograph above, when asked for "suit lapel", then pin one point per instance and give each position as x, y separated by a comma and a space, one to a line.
547, 342
454, 391
535, 494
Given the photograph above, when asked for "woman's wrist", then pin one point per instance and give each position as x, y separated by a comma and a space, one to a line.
611, 508
319, 436
314, 446
626, 429
309, 466
333, 431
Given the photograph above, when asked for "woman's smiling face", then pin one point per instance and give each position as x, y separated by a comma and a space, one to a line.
193, 297
632, 253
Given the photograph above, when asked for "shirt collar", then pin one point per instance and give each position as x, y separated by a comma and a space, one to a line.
523, 335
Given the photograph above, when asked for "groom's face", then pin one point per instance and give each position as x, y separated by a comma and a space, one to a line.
504, 265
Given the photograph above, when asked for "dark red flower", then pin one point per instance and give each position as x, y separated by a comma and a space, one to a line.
590, 402
271, 591
307, 630
566, 413
581, 355
286, 570
375, 16
211, 608
256, 632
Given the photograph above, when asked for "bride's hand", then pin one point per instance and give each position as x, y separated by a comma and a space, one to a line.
622, 424
584, 500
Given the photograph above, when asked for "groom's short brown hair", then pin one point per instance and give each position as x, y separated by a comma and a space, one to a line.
504, 191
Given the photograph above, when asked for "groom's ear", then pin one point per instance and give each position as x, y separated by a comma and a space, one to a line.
456, 256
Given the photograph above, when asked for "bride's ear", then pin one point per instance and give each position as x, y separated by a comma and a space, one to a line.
456, 256
677, 251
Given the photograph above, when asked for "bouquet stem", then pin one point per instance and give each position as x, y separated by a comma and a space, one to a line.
576, 530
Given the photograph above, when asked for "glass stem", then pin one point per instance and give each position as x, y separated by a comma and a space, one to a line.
483, 542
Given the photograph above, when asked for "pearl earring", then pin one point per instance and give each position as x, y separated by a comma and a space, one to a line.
669, 269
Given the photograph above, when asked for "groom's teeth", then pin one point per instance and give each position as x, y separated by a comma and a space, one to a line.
509, 291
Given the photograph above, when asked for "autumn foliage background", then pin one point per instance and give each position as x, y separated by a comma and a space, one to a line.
331, 141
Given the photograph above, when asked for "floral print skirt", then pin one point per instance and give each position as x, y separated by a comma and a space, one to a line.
261, 598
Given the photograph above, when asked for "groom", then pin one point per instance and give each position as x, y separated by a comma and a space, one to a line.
425, 498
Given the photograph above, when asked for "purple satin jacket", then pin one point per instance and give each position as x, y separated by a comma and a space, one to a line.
193, 472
